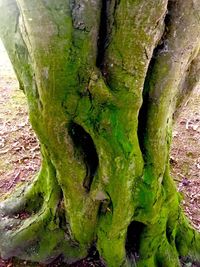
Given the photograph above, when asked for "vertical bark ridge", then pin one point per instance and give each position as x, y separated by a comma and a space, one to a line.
170, 66
125, 76
18, 52
57, 82
188, 83
142, 117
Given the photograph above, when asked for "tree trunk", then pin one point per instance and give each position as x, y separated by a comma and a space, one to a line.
101, 79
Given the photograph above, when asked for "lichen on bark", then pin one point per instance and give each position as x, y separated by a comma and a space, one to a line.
101, 80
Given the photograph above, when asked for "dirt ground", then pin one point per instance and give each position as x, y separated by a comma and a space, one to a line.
19, 149
185, 157
20, 156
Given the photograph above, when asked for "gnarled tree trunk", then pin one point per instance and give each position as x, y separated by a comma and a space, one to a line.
101, 79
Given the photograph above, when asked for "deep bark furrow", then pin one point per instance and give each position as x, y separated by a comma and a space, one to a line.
143, 112
85, 145
103, 34
106, 26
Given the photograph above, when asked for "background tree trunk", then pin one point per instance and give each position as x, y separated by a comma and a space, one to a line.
101, 79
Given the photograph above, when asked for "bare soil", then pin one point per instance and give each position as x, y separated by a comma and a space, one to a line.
20, 153
19, 149
185, 157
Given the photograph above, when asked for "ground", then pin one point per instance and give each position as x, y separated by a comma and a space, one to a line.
20, 156
19, 149
185, 157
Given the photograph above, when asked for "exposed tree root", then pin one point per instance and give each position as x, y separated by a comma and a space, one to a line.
33, 227
187, 240
36, 234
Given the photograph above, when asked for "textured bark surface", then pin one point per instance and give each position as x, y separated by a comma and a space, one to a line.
102, 79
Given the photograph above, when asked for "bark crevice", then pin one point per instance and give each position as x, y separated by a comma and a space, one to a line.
105, 29
86, 149
161, 47
103, 34
135, 230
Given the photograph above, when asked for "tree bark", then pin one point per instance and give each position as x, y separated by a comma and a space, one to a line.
102, 79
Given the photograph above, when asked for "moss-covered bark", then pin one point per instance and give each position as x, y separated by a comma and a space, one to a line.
101, 80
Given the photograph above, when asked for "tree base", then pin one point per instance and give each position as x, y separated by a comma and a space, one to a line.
33, 225
39, 233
